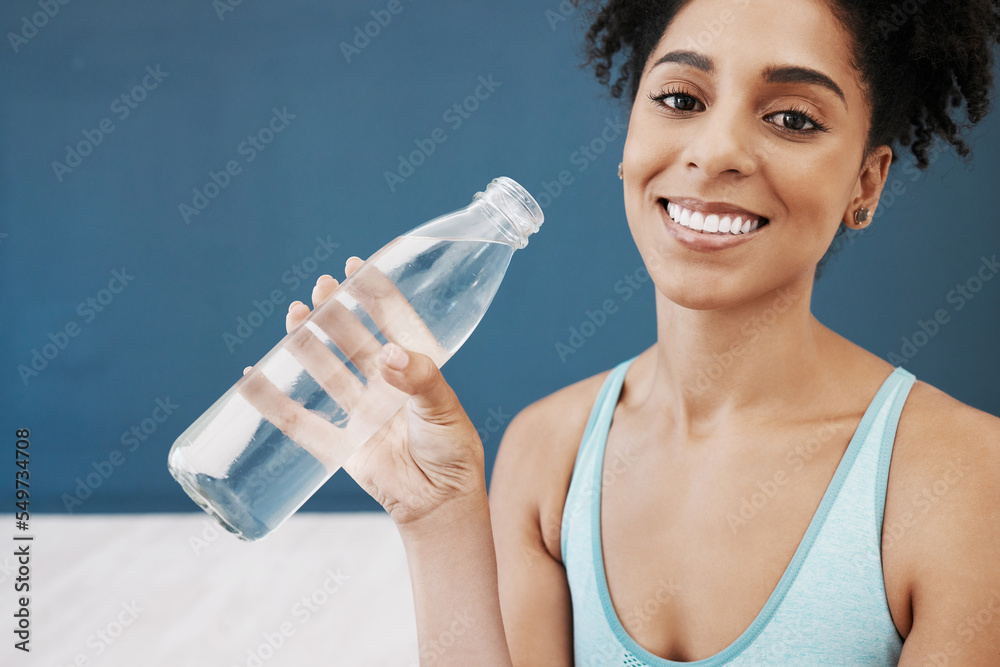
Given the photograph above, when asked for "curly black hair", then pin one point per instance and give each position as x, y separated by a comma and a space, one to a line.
916, 60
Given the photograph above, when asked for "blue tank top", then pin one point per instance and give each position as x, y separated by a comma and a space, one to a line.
828, 608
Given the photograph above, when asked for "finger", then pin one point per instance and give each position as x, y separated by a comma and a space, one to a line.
297, 312
247, 370
306, 428
393, 314
416, 374
323, 288
338, 381
353, 264
350, 335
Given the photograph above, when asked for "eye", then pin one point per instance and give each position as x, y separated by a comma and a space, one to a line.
682, 101
793, 120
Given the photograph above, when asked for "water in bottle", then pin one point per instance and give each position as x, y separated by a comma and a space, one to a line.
263, 448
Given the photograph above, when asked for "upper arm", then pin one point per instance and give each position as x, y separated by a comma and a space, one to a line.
956, 581
534, 593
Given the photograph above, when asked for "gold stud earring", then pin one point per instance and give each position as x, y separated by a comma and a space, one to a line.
620, 176
861, 216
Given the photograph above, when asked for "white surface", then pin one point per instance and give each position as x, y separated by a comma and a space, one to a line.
204, 598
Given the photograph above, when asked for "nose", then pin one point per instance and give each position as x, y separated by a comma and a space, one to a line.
720, 143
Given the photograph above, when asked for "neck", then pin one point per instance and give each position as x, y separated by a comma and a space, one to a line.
711, 365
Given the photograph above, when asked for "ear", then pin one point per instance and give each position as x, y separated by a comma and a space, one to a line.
871, 180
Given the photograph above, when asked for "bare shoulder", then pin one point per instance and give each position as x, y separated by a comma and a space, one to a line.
941, 409
936, 429
945, 485
535, 460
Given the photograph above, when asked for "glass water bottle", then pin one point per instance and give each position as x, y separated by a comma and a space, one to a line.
263, 448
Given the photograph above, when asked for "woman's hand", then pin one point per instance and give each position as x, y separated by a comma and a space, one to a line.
428, 453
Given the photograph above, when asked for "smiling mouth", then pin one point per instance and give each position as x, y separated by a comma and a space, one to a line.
713, 223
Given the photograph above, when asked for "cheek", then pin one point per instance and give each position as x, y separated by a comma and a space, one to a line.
812, 196
648, 147
648, 156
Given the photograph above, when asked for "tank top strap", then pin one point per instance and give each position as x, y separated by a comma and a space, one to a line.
598, 422
902, 381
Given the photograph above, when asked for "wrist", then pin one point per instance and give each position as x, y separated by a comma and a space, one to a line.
456, 515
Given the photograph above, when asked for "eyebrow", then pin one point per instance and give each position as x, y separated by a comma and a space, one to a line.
771, 74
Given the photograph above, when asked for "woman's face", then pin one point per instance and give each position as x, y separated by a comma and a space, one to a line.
738, 109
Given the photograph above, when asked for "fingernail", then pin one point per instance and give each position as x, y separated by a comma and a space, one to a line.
395, 357
325, 278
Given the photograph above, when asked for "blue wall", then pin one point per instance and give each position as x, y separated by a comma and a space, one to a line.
64, 233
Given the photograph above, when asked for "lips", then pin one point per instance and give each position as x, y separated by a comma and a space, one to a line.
713, 218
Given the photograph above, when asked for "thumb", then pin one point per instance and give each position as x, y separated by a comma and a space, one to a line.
417, 375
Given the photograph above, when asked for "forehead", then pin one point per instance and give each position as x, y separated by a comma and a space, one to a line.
746, 36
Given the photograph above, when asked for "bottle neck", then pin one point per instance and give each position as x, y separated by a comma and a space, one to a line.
512, 209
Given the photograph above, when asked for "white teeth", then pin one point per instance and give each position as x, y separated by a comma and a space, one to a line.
712, 223
697, 221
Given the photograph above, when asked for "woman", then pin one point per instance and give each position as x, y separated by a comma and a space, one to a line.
616, 530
